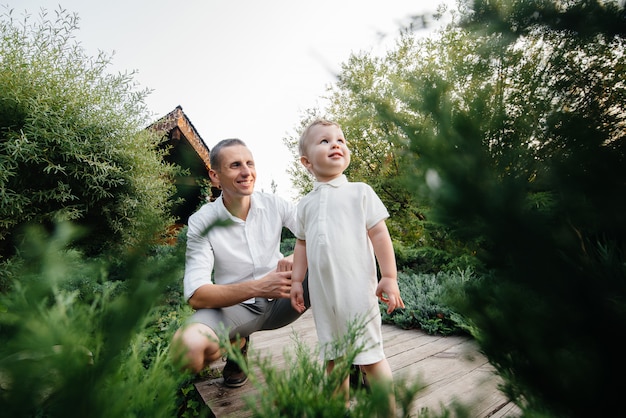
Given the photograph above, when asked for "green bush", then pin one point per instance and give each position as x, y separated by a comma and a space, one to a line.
72, 140
66, 355
426, 298
425, 259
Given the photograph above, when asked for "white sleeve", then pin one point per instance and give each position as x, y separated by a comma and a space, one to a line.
375, 210
289, 218
199, 258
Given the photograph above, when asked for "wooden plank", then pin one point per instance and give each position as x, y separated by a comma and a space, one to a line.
469, 387
506, 410
452, 368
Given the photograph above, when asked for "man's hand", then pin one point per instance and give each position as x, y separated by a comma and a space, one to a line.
389, 292
285, 264
274, 285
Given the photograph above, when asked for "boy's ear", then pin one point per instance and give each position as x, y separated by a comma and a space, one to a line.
305, 162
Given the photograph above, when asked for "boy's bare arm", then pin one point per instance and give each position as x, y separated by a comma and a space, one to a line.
387, 290
383, 249
298, 273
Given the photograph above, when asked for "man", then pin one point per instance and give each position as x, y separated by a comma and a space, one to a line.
250, 283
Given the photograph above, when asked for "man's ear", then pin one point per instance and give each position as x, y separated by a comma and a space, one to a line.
215, 178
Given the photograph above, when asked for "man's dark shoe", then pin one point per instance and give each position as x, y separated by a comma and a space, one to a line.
233, 376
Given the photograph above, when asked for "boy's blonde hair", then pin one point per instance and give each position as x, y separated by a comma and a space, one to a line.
305, 133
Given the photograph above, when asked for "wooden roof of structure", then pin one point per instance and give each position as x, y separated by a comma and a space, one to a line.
186, 149
178, 126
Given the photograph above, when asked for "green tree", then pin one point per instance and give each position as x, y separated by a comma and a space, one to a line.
380, 149
72, 140
375, 146
517, 134
301, 179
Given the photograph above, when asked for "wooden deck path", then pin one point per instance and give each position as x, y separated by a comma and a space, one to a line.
450, 367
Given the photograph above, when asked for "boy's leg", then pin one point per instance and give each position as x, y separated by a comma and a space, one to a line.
380, 373
344, 388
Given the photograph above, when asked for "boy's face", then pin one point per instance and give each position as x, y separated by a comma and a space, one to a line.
236, 174
327, 154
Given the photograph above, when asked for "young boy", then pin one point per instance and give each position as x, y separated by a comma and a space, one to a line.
338, 225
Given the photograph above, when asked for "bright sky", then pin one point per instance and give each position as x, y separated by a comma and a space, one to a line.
239, 68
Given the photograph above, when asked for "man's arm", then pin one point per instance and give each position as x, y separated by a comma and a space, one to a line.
273, 285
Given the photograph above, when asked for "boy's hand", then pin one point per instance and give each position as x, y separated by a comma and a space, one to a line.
297, 297
388, 292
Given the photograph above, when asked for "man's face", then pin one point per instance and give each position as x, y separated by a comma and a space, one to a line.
236, 174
